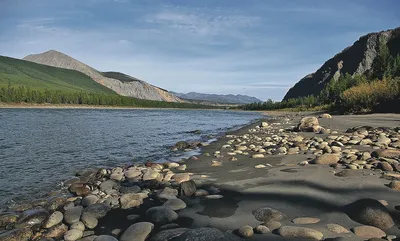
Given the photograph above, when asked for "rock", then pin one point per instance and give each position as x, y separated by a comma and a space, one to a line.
181, 168
8, 219
308, 124
54, 219
384, 166
368, 232
132, 173
187, 188
105, 238
206, 234
395, 185
130, 200
181, 177
150, 175
267, 214
273, 225
168, 234
89, 200
264, 124
78, 225
335, 228
369, 212
305, 220
73, 215
175, 204
327, 159
201, 193
299, 232
257, 156
137, 232
56, 232
108, 185
167, 193
89, 220
23, 234
326, 115
73, 234
98, 210
261, 229
32, 217
245, 231
161, 215
387, 153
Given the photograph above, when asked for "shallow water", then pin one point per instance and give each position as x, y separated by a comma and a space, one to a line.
41, 147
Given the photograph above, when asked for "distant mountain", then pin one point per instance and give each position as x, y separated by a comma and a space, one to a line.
225, 99
357, 59
16, 72
121, 83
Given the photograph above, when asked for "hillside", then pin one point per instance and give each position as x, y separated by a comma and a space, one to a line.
18, 72
214, 98
358, 59
112, 80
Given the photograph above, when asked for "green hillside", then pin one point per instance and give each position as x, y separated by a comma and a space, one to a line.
18, 72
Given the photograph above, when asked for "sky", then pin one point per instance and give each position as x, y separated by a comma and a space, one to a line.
254, 47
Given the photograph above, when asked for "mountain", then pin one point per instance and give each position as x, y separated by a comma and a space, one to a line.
122, 84
357, 59
225, 99
16, 72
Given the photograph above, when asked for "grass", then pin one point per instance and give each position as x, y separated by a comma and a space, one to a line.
18, 72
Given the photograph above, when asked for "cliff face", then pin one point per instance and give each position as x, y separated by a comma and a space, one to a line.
356, 59
133, 87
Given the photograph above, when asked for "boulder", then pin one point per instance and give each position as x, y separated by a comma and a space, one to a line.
326, 159
151, 175
267, 214
161, 215
130, 200
56, 232
137, 232
181, 177
308, 124
206, 234
108, 185
73, 215
168, 234
89, 220
187, 188
32, 217
300, 232
98, 210
129, 189
387, 153
73, 235
370, 212
368, 232
54, 219
175, 204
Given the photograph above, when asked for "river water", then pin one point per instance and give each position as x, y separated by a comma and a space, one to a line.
39, 148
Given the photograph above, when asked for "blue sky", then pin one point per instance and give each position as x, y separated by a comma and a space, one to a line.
254, 47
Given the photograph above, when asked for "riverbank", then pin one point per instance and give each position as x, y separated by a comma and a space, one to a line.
262, 174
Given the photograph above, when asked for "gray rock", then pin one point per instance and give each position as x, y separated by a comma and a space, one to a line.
89, 220
108, 185
54, 219
368, 232
89, 200
262, 229
130, 200
98, 210
137, 232
167, 193
78, 225
73, 234
327, 159
175, 204
73, 215
105, 238
267, 214
188, 188
201, 193
307, 124
245, 231
300, 232
133, 217
206, 234
168, 234
370, 212
161, 215
129, 189
32, 217
56, 232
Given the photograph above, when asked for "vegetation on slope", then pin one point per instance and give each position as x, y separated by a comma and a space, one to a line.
379, 91
17, 72
119, 76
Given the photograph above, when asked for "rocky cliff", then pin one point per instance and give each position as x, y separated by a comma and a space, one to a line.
356, 59
215, 98
120, 83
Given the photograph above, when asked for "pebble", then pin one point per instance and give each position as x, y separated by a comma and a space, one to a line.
175, 204
161, 215
137, 232
246, 231
368, 232
261, 229
73, 215
54, 219
78, 225
267, 214
306, 220
105, 238
336, 228
89, 220
73, 235
300, 232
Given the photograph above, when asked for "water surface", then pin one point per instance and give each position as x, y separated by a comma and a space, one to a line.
41, 147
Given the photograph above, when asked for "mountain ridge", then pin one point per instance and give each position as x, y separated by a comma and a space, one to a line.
219, 98
357, 59
137, 89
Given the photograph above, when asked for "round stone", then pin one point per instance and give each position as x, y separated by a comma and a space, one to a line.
161, 215
267, 214
175, 204
138, 232
54, 219
245, 231
73, 215
73, 235
89, 220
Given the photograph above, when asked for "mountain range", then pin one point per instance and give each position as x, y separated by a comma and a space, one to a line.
357, 59
215, 98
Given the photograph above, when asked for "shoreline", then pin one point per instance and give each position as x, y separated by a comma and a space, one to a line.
235, 186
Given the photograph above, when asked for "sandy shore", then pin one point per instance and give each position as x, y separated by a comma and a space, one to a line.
310, 191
